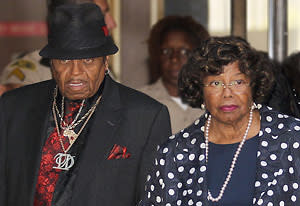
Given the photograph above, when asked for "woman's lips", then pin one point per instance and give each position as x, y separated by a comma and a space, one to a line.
228, 108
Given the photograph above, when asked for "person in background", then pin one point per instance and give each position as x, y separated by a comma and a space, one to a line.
171, 41
240, 152
80, 138
26, 69
291, 68
109, 19
30, 68
281, 96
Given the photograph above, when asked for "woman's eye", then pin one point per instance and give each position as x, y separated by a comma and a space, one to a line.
239, 81
184, 52
215, 83
166, 51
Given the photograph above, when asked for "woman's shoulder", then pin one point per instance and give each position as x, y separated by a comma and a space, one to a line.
155, 90
277, 123
187, 140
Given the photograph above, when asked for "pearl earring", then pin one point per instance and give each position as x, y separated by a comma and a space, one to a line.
254, 106
203, 106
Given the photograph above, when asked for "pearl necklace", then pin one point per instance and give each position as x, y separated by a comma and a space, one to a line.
235, 157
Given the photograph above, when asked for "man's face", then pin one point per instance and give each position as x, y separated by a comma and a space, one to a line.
80, 78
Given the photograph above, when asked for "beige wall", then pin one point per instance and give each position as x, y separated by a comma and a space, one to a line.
20, 11
135, 27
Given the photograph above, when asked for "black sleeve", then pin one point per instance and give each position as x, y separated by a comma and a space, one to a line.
2, 156
159, 133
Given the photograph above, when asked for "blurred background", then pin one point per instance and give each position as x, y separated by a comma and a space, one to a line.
23, 28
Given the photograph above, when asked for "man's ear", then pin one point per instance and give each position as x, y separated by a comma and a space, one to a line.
106, 62
51, 67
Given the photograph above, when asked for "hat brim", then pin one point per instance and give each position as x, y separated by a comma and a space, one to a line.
108, 48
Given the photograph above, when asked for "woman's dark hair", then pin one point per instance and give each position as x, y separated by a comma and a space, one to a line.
187, 24
291, 68
210, 59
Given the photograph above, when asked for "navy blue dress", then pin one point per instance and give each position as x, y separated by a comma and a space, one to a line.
243, 177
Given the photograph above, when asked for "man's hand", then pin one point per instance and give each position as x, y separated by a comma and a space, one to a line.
108, 18
110, 21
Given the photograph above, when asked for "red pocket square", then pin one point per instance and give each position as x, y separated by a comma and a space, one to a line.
118, 152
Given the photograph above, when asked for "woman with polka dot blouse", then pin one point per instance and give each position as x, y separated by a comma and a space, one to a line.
239, 153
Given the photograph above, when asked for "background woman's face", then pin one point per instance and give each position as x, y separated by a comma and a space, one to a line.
175, 49
228, 105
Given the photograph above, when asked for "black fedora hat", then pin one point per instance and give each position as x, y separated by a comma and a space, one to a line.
78, 31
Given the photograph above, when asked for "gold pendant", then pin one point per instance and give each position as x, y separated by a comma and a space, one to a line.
72, 136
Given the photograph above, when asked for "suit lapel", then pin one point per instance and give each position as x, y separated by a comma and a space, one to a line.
100, 140
39, 118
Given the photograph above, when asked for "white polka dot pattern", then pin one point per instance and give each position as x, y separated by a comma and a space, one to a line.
179, 175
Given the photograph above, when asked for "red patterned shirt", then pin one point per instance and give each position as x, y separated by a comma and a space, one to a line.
48, 176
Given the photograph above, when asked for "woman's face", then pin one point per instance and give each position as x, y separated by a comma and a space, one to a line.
175, 50
231, 102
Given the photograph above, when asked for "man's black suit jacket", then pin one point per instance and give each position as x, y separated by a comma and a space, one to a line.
124, 117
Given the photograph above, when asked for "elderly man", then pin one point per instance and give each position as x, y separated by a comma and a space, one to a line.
29, 67
82, 138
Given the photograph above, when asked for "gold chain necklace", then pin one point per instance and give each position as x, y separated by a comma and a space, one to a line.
64, 160
68, 130
74, 123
